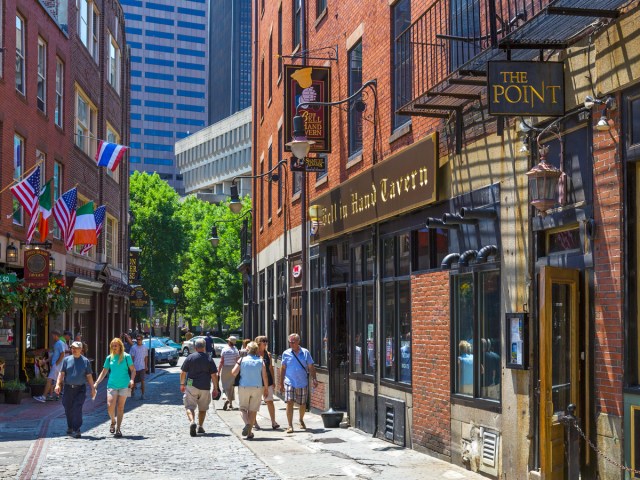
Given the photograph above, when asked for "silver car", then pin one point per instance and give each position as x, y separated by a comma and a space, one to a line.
164, 353
189, 346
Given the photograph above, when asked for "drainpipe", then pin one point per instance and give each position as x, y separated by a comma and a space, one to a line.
254, 190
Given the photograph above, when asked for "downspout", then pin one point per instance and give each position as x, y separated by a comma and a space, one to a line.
254, 190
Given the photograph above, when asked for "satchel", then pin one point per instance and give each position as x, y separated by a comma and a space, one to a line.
236, 382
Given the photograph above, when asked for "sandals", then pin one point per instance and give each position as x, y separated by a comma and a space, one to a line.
250, 436
118, 434
275, 426
302, 425
112, 428
290, 430
226, 405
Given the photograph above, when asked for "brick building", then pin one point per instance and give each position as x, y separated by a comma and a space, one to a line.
69, 88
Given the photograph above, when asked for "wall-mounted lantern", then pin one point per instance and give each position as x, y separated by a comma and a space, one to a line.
543, 184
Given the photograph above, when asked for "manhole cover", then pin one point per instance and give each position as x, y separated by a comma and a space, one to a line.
329, 440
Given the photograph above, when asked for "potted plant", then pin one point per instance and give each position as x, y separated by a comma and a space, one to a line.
36, 385
13, 391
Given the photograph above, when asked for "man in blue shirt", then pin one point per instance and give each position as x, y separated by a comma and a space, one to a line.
297, 364
56, 362
208, 340
75, 373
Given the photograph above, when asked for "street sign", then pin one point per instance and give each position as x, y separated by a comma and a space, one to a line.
169, 301
8, 278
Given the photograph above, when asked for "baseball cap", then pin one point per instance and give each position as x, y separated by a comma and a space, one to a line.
67, 332
76, 345
232, 339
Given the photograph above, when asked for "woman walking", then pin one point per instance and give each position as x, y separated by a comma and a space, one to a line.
228, 358
122, 374
263, 343
253, 375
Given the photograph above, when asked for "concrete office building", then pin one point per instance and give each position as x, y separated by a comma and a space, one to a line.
209, 159
230, 60
168, 80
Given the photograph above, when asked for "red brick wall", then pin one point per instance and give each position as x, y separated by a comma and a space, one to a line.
430, 365
318, 396
608, 282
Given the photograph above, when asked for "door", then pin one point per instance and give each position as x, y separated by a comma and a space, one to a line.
339, 359
559, 375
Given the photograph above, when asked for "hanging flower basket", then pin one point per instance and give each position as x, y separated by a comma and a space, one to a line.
55, 298
10, 299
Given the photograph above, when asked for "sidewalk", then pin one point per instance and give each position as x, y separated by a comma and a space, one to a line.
324, 453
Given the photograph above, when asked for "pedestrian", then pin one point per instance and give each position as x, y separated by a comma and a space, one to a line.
297, 364
188, 335
263, 343
85, 347
54, 369
209, 345
243, 350
140, 355
127, 341
119, 366
75, 373
66, 337
253, 386
228, 358
198, 375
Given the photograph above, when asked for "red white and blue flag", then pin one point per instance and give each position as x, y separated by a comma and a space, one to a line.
109, 154
64, 211
28, 194
99, 215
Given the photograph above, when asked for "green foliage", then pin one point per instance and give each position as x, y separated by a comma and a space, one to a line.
50, 300
14, 385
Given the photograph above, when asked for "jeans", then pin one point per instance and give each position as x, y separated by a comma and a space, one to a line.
72, 400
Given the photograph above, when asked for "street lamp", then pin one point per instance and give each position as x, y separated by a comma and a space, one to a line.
214, 239
176, 291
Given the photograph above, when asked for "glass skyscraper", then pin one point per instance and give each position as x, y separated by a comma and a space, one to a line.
230, 60
169, 71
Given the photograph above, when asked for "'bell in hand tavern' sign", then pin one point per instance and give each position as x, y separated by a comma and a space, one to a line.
526, 88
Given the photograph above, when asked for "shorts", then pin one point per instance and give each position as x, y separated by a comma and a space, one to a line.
269, 398
53, 374
194, 397
295, 395
139, 376
250, 398
118, 392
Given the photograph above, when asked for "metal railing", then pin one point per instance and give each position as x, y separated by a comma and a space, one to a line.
449, 35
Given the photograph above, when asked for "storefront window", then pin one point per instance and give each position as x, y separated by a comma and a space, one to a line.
358, 334
7, 331
430, 246
388, 329
339, 265
404, 307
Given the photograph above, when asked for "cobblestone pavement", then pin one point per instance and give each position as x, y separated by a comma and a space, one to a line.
155, 443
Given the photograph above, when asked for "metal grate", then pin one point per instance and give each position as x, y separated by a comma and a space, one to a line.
489, 448
389, 422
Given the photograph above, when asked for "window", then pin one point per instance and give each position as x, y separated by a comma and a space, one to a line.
362, 310
86, 121
262, 192
355, 82
113, 137
262, 88
20, 53
114, 64
430, 246
476, 334
396, 308
280, 41
270, 66
18, 164
88, 25
280, 169
465, 24
319, 333
270, 185
270, 297
111, 240
297, 23
59, 92
298, 178
402, 74
321, 6
56, 185
41, 90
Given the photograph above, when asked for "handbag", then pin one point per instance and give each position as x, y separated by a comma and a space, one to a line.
236, 382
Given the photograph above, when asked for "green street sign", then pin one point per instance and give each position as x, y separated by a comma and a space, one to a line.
8, 278
169, 301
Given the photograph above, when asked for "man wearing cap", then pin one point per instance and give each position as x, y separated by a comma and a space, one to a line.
228, 358
75, 373
56, 363
198, 375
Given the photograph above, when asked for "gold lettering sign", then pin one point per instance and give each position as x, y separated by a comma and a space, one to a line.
403, 182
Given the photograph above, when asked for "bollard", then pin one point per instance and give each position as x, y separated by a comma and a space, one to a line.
572, 443
152, 365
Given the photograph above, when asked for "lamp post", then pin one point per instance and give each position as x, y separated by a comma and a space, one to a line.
176, 291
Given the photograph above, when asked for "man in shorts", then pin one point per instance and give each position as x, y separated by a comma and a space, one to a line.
140, 355
297, 364
59, 347
199, 374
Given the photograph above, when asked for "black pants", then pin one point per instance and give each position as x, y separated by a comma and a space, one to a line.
72, 400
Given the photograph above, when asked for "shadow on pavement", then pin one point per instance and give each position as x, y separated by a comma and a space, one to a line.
264, 439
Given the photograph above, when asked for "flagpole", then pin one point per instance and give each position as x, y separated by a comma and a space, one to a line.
23, 175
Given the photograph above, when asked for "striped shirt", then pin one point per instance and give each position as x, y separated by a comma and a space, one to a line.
229, 355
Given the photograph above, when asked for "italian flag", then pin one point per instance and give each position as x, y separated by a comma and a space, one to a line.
45, 211
85, 230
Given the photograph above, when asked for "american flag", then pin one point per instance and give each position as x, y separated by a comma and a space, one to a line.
28, 192
99, 215
64, 211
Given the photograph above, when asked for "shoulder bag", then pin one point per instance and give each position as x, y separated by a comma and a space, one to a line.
236, 382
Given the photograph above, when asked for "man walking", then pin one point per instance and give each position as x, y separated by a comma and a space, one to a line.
297, 364
198, 374
140, 355
56, 363
209, 345
75, 373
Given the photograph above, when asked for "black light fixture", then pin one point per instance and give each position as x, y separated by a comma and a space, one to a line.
300, 145
214, 237
11, 252
52, 263
235, 205
608, 103
543, 183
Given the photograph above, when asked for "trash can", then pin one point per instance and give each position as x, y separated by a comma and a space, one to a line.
331, 418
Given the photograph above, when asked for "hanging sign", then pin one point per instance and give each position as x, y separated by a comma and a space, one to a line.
138, 297
526, 88
134, 267
297, 271
308, 164
36, 268
310, 84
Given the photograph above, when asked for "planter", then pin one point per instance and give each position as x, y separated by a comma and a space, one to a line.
37, 389
331, 418
12, 396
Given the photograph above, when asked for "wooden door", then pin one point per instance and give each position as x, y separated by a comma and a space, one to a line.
559, 375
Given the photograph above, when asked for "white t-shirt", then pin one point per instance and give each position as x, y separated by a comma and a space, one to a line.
230, 356
139, 352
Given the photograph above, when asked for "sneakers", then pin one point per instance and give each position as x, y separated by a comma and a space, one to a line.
39, 398
51, 398
76, 434
192, 429
245, 430
224, 407
200, 429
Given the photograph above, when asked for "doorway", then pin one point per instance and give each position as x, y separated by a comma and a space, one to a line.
559, 363
339, 353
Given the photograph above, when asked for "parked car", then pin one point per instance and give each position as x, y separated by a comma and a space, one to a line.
189, 346
170, 343
218, 345
164, 353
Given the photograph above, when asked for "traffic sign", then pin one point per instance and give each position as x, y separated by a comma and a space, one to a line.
169, 301
8, 278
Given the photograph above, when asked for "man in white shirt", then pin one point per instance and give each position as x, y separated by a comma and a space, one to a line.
140, 355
